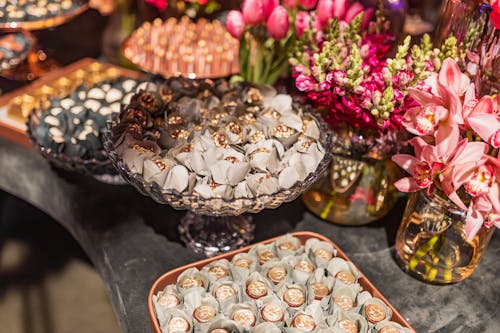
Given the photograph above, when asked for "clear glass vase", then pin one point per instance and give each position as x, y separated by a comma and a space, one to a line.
431, 243
478, 41
358, 188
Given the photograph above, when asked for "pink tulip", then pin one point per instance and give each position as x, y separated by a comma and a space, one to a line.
290, 4
302, 21
307, 4
278, 24
269, 6
253, 11
325, 10
235, 23
354, 10
160, 4
340, 8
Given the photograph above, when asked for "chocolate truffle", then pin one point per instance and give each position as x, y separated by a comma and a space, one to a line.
374, 313
272, 313
277, 274
294, 297
244, 317
204, 313
304, 323
257, 289
178, 324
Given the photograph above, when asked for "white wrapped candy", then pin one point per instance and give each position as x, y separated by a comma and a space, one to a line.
226, 172
288, 177
177, 179
242, 190
262, 183
282, 103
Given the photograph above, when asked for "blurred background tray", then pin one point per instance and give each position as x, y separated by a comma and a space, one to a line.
16, 105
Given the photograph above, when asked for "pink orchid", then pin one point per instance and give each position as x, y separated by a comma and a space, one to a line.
485, 121
440, 113
485, 205
452, 84
422, 167
461, 167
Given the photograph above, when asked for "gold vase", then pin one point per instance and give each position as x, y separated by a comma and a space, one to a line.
358, 189
431, 243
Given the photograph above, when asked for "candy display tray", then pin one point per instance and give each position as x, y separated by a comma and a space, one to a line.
14, 129
171, 276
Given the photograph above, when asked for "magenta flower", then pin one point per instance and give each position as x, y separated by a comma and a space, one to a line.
302, 20
253, 11
278, 23
160, 4
304, 83
340, 8
235, 23
354, 10
290, 4
495, 13
269, 6
325, 10
307, 4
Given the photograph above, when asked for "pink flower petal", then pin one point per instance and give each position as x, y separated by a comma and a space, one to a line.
447, 137
424, 98
407, 162
451, 77
354, 10
469, 152
485, 125
474, 221
407, 184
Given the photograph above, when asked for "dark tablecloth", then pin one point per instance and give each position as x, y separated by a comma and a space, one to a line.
132, 241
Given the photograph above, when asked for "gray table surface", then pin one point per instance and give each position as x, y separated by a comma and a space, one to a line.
132, 241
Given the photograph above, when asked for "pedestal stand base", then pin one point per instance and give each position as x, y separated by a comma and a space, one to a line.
210, 235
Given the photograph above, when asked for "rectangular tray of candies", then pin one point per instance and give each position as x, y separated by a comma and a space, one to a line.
300, 282
16, 105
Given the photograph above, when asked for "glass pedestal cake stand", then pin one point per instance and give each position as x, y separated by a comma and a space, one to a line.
216, 225
15, 17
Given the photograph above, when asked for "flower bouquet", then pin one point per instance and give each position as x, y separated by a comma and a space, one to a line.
344, 69
191, 8
456, 169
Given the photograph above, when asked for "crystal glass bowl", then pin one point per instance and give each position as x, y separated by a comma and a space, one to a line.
215, 225
102, 170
